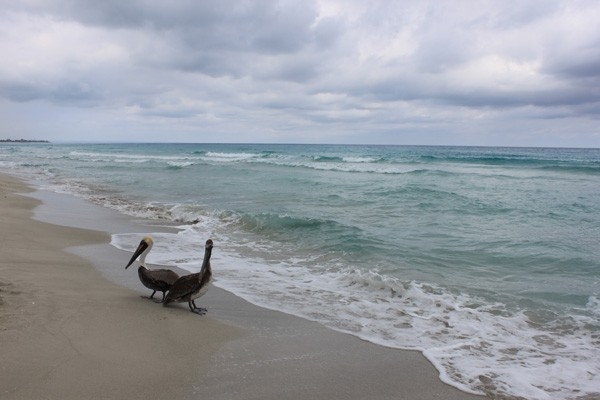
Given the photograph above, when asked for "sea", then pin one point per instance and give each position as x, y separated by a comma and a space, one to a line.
485, 259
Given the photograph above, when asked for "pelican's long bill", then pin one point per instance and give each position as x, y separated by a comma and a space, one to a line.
142, 246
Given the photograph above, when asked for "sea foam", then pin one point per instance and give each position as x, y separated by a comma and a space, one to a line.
479, 347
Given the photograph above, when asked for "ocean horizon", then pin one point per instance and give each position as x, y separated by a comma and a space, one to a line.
485, 259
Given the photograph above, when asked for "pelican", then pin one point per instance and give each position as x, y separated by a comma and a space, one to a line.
154, 279
190, 287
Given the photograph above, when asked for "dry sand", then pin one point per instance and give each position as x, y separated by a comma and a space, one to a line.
69, 331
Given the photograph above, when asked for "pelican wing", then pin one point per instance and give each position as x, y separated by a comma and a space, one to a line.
184, 286
162, 277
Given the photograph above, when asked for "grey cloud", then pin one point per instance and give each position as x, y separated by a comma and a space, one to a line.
245, 40
125, 14
515, 13
263, 26
584, 64
67, 92
284, 29
517, 98
20, 92
280, 63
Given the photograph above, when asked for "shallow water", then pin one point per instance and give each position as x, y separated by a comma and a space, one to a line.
485, 259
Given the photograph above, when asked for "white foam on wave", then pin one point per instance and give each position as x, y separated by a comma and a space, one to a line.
129, 157
8, 164
357, 159
477, 347
363, 166
229, 157
181, 164
593, 305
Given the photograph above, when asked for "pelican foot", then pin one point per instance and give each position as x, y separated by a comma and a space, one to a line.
195, 309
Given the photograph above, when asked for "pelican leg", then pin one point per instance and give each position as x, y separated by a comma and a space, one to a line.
163, 298
149, 297
196, 310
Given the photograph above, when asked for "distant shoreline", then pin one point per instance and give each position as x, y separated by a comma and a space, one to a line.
22, 141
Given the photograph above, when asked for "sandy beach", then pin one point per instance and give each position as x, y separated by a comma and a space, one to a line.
73, 326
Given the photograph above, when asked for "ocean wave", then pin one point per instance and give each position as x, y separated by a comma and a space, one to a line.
593, 305
555, 163
180, 164
346, 159
592, 168
425, 164
230, 157
34, 165
8, 164
495, 159
359, 160
477, 345
315, 162
275, 222
126, 158
341, 166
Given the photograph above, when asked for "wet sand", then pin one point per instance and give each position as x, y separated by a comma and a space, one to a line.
73, 326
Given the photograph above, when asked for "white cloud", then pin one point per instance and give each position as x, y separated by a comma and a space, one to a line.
354, 71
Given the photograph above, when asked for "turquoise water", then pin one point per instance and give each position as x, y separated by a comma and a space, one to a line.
485, 259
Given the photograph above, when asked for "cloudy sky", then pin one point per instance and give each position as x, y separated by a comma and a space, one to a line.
501, 72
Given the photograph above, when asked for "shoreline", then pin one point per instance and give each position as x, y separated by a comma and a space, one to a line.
67, 333
89, 335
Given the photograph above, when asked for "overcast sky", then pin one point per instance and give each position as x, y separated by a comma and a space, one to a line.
518, 73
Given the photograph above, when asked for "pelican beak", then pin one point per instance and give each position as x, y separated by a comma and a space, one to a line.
142, 246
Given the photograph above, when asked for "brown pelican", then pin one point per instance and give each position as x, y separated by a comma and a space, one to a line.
190, 287
155, 279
